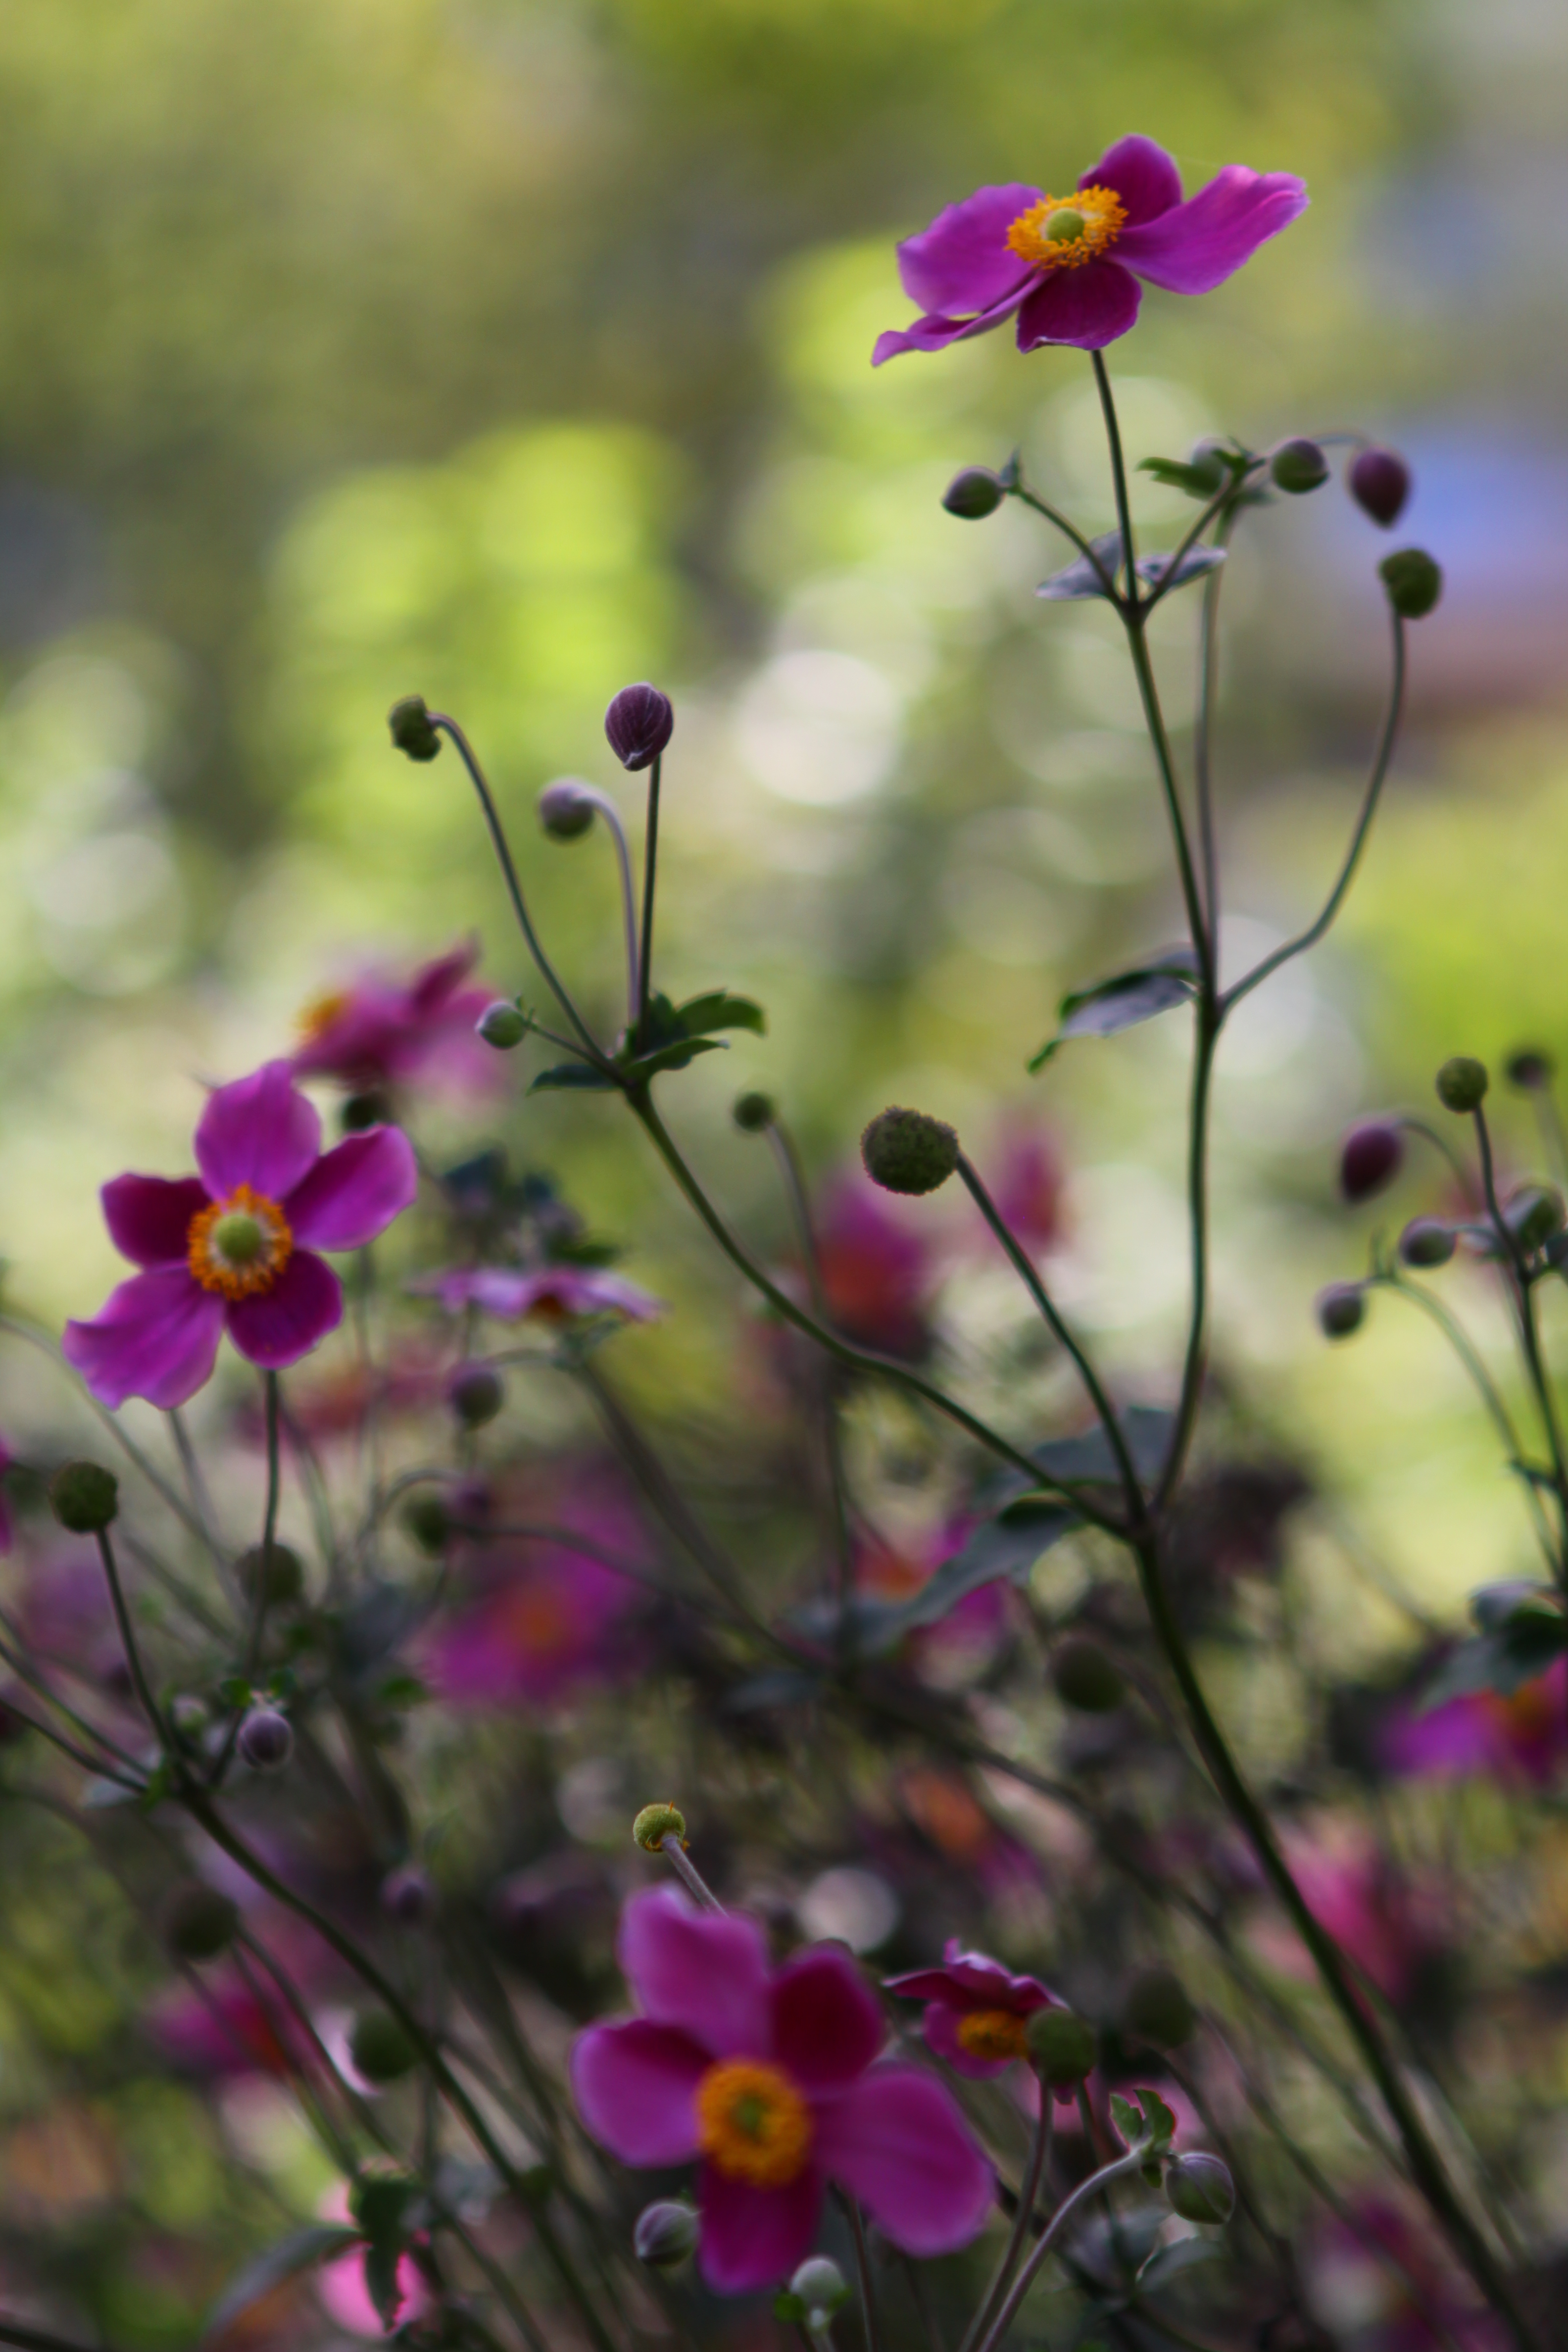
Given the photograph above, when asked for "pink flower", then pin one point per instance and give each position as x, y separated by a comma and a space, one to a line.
379, 1032
553, 1292
341, 2287
975, 2012
234, 1248
1521, 1738
876, 1275
1069, 265
544, 1618
771, 2077
1027, 1186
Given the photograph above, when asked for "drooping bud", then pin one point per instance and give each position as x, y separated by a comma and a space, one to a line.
1529, 1069
379, 2048
664, 2234
973, 494
1462, 1084
199, 1922
1380, 484
1533, 1214
407, 1897
475, 1393
752, 1114
656, 1822
1370, 1157
1341, 1309
1086, 1678
906, 1151
1298, 466
1412, 581
266, 1739
821, 2289
285, 1578
502, 1025
640, 722
1427, 1241
411, 730
1200, 2187
428, 1521
84, 1497
1158, 2010
1063, 2045
566, 808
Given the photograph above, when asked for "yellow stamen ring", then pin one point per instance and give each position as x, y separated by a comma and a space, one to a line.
993, 2034
240, 1245
752, 2123
1064, 232
316, 1017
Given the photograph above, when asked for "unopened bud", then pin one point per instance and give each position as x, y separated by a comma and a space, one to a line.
265, 1740
906, 1151
379, 2048
752, 1114
1200, 2187
1063, 2045
285, 1578
1206, 462
567, 809
1341, 1309
664, 2234
1370, 1157
407, 1897
1462, 1084
1085, 1677
372, 1108
655, 1823
1158, 2010
1529, 1069
1533, 1214
411, 730
1412, 581
820, 2287
428, 1521
640, 722
1380, 484
501, 1024
973, 494
1427, 1241
199, 1922
84, 1497
1298, 466
475, 1393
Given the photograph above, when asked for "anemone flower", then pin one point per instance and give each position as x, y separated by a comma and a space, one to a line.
380, 1032
877, 1275
538, 1618
775, 2078
976, 2013
1069, 265
1519, 1740
556, 1293
234, 1248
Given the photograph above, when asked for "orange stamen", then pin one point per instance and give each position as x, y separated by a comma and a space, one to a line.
1064, 232
993, 2034
240, 1245
752, 2123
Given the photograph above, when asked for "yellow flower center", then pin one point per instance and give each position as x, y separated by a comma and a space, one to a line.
752, 2123
993, 2034
240, 1245
1063, 233
316, 1017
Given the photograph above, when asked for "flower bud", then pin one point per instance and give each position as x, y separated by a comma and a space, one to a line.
567, 809
1533, 1214
973, 494
640, 722
1380, 484
475, 1393
407, 1897
664, 2234
1063, 2045
1085, 1677
84, 1497
1427, 1241
1412, 581
754, 1113
265, 1740
428, 1521
821, 2289
905, 1151
285, 1577
1158, 2012
411, 730
1206, 462
1462, 1084
1341, 1309
381, 2050
501, 1024
1370, 1157
1298, 466
372, 1108
1200, 2187
1529, 1069
656, 1822
199, 1923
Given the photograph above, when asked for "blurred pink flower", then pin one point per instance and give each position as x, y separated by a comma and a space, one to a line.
1521, 1738
975, 2012
1381, 2305
1388, 1925
380, 1032
554, 1293
537, 1619
341, 2286
894, 1573
877, 1276
1027, 1185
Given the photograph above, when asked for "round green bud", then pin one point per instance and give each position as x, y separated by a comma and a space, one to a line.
1412, 581
428, 1521
199, 1922
753, 1113
1529, 1069
1427, 1241
1063, 2046
567, 809
1341, 1309
821, 2287
379, 2048
1200, 2187
973, 494
265, 1739
1298, 466
905, 1151
475, 1393
664, 2234
1533, 1214
1157, 2010
411, 730
1206, 462
1085, 1677
285, 1578
501, 1025
655, 1823
1462, 1084
84, 1497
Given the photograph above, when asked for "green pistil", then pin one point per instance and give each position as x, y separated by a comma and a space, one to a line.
1064, 226
238, 1239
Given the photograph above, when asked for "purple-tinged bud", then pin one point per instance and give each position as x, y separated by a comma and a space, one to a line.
411, 730
407, 1897
381, 2048
502, 1025
639, 723
1462, 1084
265, 1740
1533, 1214
1370, 1157
754, 1113
1412, 581
664, 2234
1380, 484
820, 2288
1427, 1241
908, 1152
1529, 1069
199, 1922
566, 807
973, 494
1298, 466
284, 1577
1341, 1309
475, 1393
1200, 2187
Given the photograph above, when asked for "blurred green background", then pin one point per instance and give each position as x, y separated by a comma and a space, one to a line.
507, 352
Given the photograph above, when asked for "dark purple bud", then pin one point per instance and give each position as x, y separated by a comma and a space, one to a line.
266, 1741
1299, 466
406, 1895
1380, 484
1427, 1241
1370, 1157
1341, 1309
199, 1922
639, 723
973, 494
1529, 1069
475, 1392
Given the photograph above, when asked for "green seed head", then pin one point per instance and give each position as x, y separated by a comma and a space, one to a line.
905, 1151
84, 1497
1462, 1084
1063, 2046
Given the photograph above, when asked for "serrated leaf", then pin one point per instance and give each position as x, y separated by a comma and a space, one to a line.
382, 2259
1127, 998
719, 1009
300, 2250
1080, 578
1496, 1605
579, 1077
1502, 1661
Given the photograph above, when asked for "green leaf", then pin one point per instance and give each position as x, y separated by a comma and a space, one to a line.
1126, 999
1126, 2118
674, 1056
1159, 2121
1503, 1660
581, 1076
380, 2205
1198, 481
1146, 1430
789, 2307
719, 1009
1007, 1546
1084, 578
300, 2250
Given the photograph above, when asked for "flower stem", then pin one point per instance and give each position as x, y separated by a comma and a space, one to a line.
650, 864
1023, 2220
1132, 2162
872, 2315
691, 1877
1118, 475
268, 1532
611, 816
1529, 1332
128, 1640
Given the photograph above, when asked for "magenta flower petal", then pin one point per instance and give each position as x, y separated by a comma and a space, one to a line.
434, 984
827, 2022
962, 262
935, 334
940, 2026
259, 1131
753, 2238
1144, 176
149, 1217
275, 1328
355, 1191
898, 2142
702, 1972
1197, 245
155, 1337
635, 2084
1088, 308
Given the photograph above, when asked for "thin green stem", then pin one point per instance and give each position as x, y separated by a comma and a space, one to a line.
649, 876
1207, 1017
1118, 476
261, 1596
1085, 546
1097, 2182
1155, 719
1203, 729
1023, 2220
793, 1176
1523, 1291
128, 1640
868, 2305
691, 1877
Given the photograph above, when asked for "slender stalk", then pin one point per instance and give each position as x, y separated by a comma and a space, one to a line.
1023, 2220
1085, 546
1202, 729
787, 1160
691, 1877
871, 2312
97, 1765
1529, 1331
1207, 1016
1118, 475
128, 1640
611, 816
649, 876
259, 1599
1098, 2181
